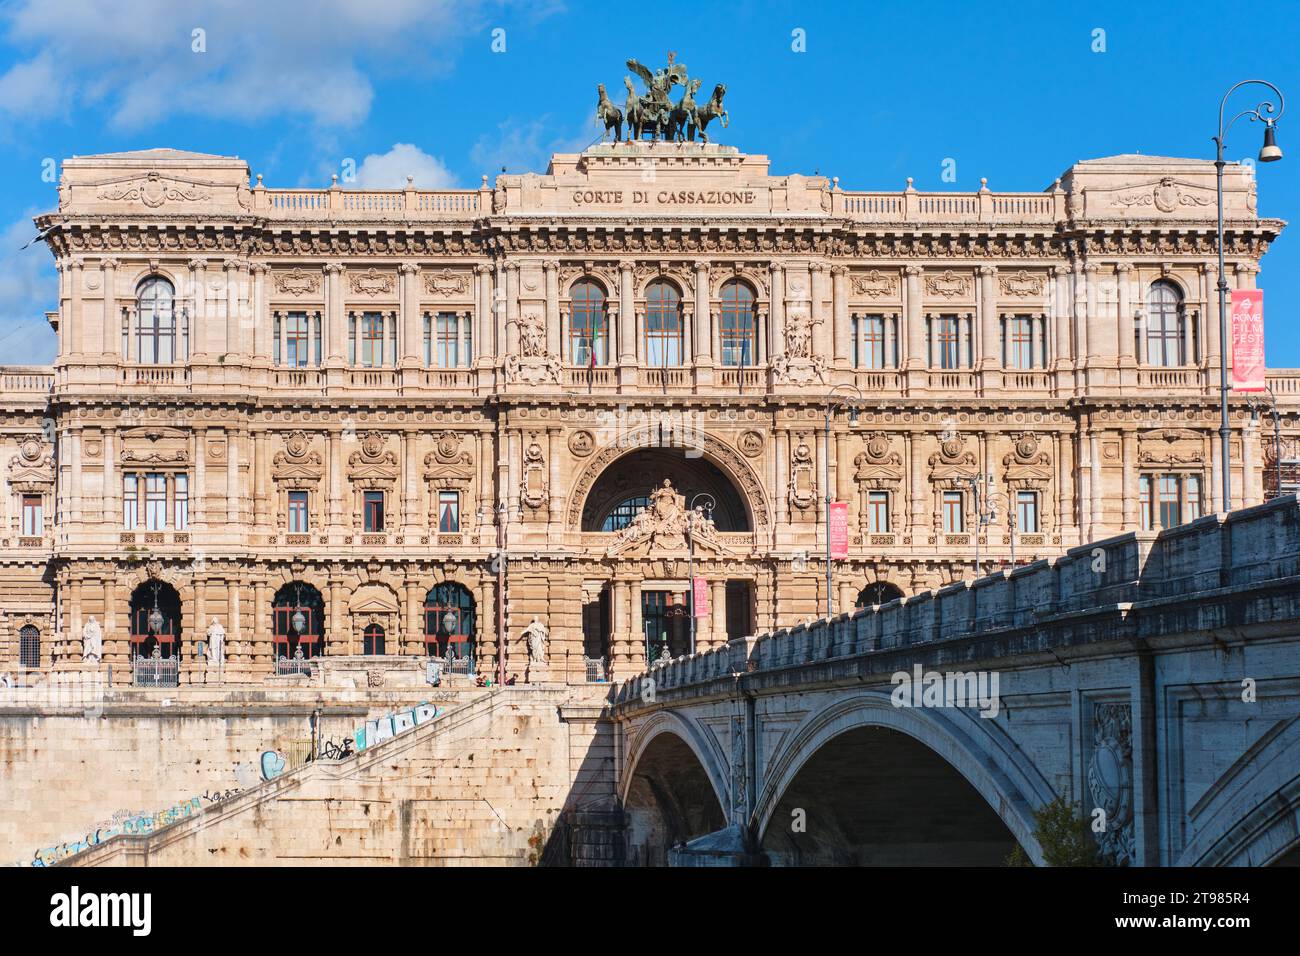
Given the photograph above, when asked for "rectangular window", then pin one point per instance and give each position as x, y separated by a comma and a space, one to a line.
155, 501
130, 501
1027, 511
449, 511
878, 512
947, 341
1019, 346
954, 515
447, 351
870, 341
181, 497
299, 523
33, 516
1170, 510
297, 340
372, 339
374, 511
1145, 503
1192, 495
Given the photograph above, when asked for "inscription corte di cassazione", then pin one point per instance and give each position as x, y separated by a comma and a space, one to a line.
664, 197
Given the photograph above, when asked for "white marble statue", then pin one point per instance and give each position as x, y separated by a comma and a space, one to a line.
535, 634
216, 643
92, 641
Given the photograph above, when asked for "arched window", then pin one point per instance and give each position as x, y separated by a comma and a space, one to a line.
449, 621
588, 324
372, 639
738, 324
878, 592
664, 333
29, 647
158, 340
1166, 325
297, 621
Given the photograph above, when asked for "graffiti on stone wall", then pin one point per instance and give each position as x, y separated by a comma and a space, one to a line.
140, 823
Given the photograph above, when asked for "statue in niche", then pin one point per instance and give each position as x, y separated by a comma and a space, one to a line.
216, 643
535, 634
92, 641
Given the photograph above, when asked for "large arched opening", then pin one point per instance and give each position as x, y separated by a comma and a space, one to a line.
670, 800
874, 796
155, 621
298, 622
661, 609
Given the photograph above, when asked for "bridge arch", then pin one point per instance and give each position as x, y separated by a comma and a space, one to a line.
972, 757
1250, 816
673, 788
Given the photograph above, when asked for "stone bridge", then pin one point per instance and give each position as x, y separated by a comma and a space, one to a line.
1151, 680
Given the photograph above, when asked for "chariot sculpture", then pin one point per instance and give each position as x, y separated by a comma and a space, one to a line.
653, 112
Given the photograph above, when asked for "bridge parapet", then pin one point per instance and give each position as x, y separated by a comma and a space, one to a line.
1234, 551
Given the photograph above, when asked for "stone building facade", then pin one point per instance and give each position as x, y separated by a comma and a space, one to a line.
298, 422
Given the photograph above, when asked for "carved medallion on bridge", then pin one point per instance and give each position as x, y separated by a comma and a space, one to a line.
664, 525
1110, 780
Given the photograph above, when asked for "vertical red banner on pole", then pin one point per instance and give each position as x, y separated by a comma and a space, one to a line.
839, 529
1248, 340
700, 593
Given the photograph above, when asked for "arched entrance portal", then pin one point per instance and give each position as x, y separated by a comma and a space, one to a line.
669, 801
298, 621
155, 621
874, 796
643, 500
449, 622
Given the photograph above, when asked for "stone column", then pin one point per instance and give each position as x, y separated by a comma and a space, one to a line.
112, 324
626, 315
232, 476
915, 320
551, 270
485, 344
334, 461
702, 332
412, 346
990, 321
718, 607
1061, 315
335, 318
916, 486
234, 311
512, 308
636, 629
823, 324
556, 504
1130, 489
258, 478
413, 637
1126, 350
260, 652
199, 501
776, 324
840, 309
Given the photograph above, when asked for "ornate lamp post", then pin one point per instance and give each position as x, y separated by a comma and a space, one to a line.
986, 513
155, 619
833, 406
1268, 153
709, 504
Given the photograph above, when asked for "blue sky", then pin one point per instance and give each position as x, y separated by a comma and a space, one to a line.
1012, 92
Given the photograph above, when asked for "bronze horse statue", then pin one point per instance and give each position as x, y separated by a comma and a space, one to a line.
682, 116
609, 114
710, 111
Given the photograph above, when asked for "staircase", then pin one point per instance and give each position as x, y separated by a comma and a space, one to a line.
485, 783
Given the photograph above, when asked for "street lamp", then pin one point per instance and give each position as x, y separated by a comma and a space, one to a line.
832, 406
709, 504
155, 616
1269, 153
986, 513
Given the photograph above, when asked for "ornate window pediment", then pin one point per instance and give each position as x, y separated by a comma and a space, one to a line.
297, 466
1027, 462
1171, 446
32, 469
952, 462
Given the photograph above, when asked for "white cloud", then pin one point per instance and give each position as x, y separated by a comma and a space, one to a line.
526, 146
135, 59
29, 288
389, 170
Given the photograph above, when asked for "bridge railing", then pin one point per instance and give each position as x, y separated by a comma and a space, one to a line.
1236, 550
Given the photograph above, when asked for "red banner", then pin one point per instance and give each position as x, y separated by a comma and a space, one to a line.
700, 587
1248, 340
839, 529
